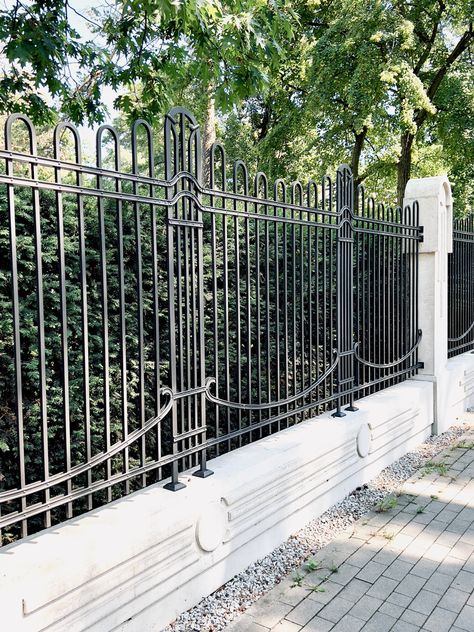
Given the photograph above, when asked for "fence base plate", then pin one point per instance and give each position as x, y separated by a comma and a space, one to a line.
203, 473
174, 487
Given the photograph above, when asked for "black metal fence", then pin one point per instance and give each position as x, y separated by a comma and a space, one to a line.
461, 288
148, 322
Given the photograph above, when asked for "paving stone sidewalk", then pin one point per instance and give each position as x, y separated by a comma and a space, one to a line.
406, 566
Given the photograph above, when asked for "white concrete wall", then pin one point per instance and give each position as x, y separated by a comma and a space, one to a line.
135, 564
457, 394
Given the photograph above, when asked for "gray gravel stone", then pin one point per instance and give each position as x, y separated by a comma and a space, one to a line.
216, 611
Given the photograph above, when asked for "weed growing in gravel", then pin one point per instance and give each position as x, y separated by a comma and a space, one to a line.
441, 468
297, 580
312, 565
390, 502
465, 446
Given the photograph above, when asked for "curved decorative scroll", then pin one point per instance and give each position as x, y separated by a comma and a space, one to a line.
390, 364
296, 193
61, 127
94, 461
281, 402
182, 143
462, 335
29, 126
149, 135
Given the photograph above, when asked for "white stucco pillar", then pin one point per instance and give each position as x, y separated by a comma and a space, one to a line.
436, 216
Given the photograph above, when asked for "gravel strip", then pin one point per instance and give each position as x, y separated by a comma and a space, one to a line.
213, 613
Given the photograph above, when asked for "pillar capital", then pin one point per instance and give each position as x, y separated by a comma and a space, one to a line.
436, 212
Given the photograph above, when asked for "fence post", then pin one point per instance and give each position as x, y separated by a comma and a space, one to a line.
436, 217
345, 290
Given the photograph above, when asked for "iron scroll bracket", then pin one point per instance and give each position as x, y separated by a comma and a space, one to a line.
388, 365
270, 405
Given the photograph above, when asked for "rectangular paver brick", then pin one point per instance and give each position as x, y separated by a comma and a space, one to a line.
382, 587
404, 626
462, 550
398, 569
354, 590
380, 622
371, 572
437, 552
330, 590
458, 526
365, 607
385, 556
453, 600
424, 602
362, 556
287, 593
268, 612
438, 582
245, 623
465, 620
345, 573
391, 609
448, 539
424, 568
399, 599
464, 581
318, 625
348, 623
304, 611
451, 566
440, 620
415, 618
410, 585
335, 609
286, 626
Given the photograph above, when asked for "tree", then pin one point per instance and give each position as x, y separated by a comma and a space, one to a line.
313, 83
376, 81
147, 50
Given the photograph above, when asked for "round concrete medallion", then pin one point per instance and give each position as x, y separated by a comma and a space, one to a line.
363, 441
211, 527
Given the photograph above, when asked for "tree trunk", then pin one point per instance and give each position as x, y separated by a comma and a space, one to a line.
209, 135
355, 159
404, 165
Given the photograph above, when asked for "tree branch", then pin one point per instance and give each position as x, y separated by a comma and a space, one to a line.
431, 40
457, 51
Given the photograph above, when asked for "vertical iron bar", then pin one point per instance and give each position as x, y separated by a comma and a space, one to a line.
63, 319
16, 320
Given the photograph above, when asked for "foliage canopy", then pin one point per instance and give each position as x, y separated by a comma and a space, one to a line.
297, 86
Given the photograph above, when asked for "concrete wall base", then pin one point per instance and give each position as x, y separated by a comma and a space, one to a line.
458, 391
136, 563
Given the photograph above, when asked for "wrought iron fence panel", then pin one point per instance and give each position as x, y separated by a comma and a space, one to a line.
461, 288
386, 289
149, 322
